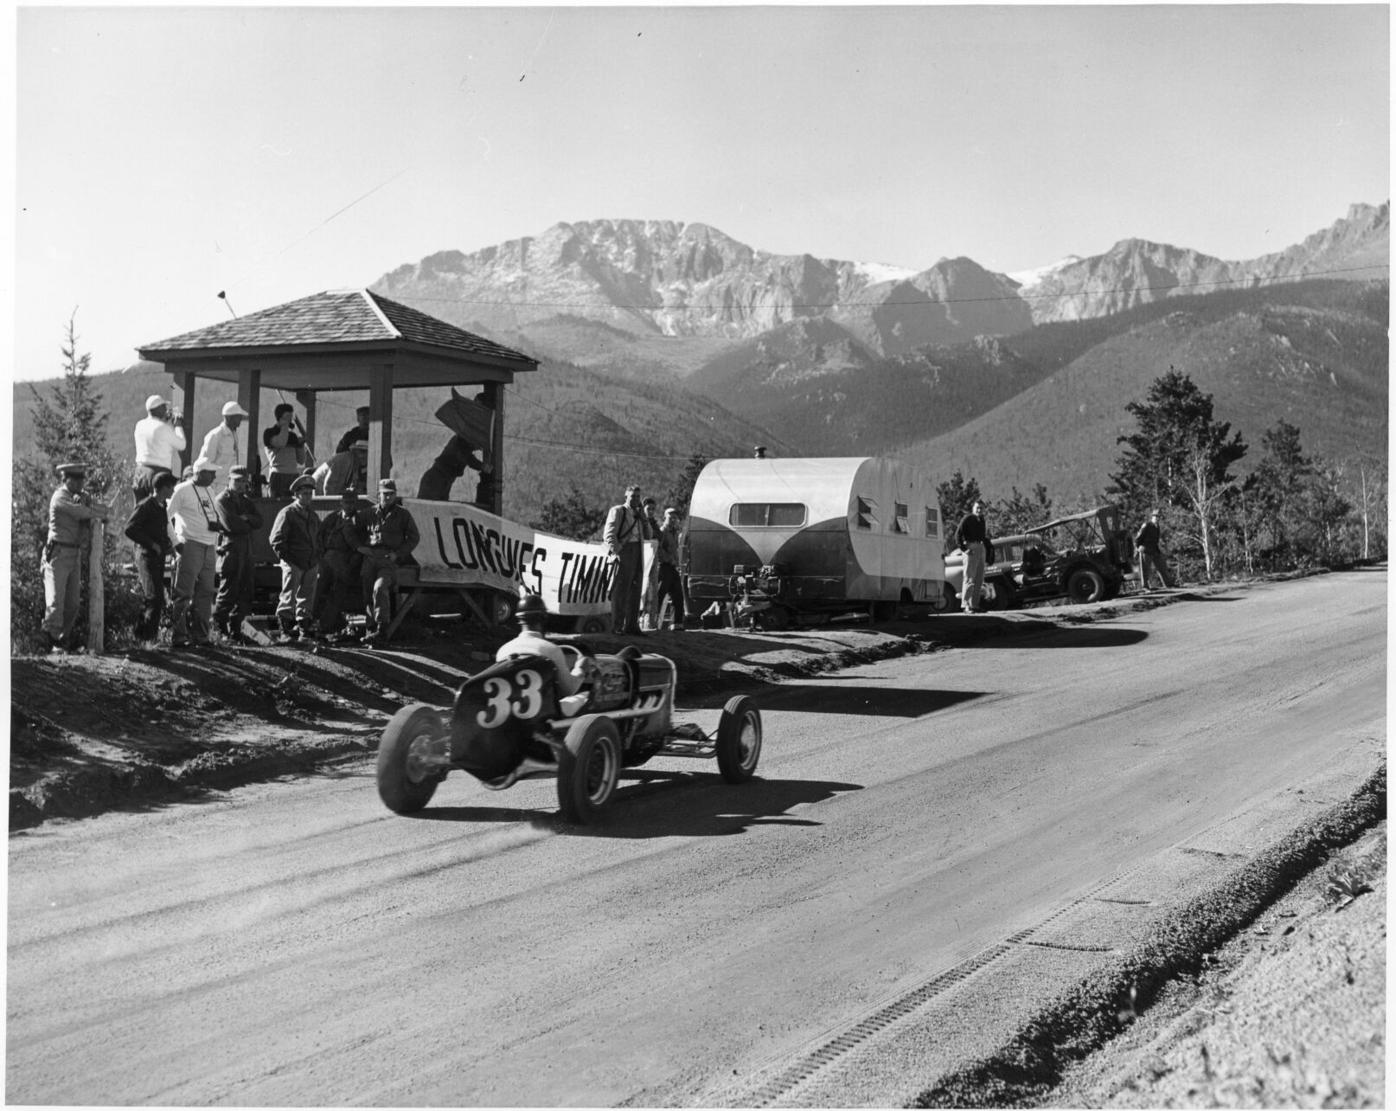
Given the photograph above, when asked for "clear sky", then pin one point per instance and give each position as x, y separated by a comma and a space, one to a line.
167, 153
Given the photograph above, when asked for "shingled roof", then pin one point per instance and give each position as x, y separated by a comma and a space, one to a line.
338, 316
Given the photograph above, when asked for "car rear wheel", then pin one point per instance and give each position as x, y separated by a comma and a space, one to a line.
588, 768
409, 755
739, 739
1085, 584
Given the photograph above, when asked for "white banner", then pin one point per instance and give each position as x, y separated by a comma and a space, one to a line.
466, 546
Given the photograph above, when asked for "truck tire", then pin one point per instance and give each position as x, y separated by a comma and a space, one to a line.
588, 768
406, 781
739, 739
1085, 584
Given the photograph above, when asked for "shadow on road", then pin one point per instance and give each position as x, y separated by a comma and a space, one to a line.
829, 697
655, 804
1061, 636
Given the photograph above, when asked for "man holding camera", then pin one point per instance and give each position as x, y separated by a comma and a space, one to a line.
159, 440
197, 528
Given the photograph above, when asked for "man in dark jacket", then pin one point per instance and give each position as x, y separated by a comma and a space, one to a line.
387, 535
973, 538
149, 529
339, 564
1147, 545
295, 539
240, 517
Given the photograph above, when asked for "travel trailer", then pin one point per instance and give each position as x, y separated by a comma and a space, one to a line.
786, 540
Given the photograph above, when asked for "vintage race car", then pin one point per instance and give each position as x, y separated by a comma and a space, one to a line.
508, 723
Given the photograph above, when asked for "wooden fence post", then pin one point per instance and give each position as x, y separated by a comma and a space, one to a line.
96, 595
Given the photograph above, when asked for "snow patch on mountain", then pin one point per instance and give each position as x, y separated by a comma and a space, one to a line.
1032, 277
877, 272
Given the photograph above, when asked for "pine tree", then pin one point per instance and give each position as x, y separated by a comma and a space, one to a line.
956, 496
570, 516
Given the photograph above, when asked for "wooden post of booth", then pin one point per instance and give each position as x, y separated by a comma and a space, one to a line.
185, 384
96, 594
494, 398
380, 427
307, 400
249, 397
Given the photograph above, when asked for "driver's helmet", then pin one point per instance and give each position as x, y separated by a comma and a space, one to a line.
531, 604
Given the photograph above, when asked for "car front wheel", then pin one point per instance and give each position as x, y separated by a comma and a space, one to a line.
409, 756
739, 739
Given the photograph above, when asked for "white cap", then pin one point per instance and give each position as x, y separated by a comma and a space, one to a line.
233, 409
153, 402
203, 463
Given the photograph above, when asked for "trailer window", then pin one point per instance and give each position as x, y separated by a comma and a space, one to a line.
900, 523
932, 521
767, 515
867, 513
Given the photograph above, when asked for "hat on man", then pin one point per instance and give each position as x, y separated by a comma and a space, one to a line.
348, 494
75, 470
153, 402
204, 463
240, 471
305, 482
233, 409
531, 604
631, 490
359, 445
387, 486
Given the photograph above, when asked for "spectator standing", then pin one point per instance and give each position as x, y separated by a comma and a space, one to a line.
624, 535
220, 446
340, 564
387, 535
70, 513
240, 517
667, 560
973, 538
148, 528
295, 540
356, 435
649, 598
159, 440
196, 532
1148, 546
286, 455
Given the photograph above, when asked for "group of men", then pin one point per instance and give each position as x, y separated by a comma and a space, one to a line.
972, 538
628, 526
321, 561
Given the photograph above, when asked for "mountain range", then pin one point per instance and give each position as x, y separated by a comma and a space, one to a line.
660, 339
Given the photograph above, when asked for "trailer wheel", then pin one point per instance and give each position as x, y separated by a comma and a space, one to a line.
588, 768
407, 775
739, 739
1085, 584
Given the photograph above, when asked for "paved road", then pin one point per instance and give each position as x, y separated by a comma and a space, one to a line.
295, 943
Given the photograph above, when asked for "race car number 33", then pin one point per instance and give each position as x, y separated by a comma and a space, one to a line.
519, 695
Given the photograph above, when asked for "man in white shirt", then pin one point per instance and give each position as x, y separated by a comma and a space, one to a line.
196, 527
159, 440
221, 447
531, 614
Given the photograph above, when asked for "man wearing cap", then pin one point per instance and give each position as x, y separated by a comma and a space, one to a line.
387, 535
356, 435
159, 440
70, 512
626, 530
196, 530
221, 446
295, 539
148, 528
339, 564
240, 517
1148, 547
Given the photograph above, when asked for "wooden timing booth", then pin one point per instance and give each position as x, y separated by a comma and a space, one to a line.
342, 340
